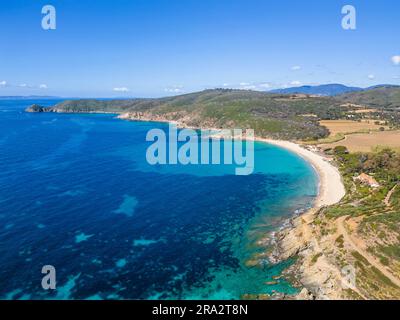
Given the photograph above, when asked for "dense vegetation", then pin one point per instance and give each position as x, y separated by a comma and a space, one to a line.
270, 115
377, 210
361, 199
385, 99
382, 97
275, 115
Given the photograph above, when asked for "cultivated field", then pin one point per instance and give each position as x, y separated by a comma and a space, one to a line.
365, 111
348, 126
368, 142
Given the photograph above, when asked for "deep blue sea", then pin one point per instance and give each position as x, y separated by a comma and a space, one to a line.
77, 193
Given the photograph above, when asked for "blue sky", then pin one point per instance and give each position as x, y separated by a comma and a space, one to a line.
165, 47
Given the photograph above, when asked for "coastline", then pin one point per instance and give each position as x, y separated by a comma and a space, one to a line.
298, 237
331, 188
313, 272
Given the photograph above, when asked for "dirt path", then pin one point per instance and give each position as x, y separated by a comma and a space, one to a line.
356, 247
324, 263
389, 195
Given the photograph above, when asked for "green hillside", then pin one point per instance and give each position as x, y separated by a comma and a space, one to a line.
383, 97
271, 115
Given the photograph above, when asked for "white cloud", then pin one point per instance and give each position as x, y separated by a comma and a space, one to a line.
295, 83
295, 68
121, 89
265, 85
371, 76
247, 86
174, 89
225, 85
25, 85
396, 60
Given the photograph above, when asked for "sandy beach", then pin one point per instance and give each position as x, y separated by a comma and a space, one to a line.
320, 279
331, 188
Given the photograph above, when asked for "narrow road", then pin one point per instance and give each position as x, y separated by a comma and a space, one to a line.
372, 261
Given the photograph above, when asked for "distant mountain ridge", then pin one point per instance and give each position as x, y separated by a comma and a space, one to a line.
328, 89
323, 90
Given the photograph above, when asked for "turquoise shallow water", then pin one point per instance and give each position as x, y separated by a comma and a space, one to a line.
77, 193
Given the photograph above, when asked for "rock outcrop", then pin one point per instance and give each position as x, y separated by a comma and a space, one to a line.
36, 108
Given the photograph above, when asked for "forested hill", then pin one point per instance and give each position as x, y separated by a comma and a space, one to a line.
280, 116
271, 115
381, 97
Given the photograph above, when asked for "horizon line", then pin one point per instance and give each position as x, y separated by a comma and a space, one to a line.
195, 91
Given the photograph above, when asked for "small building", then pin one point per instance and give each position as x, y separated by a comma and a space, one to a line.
368, 180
